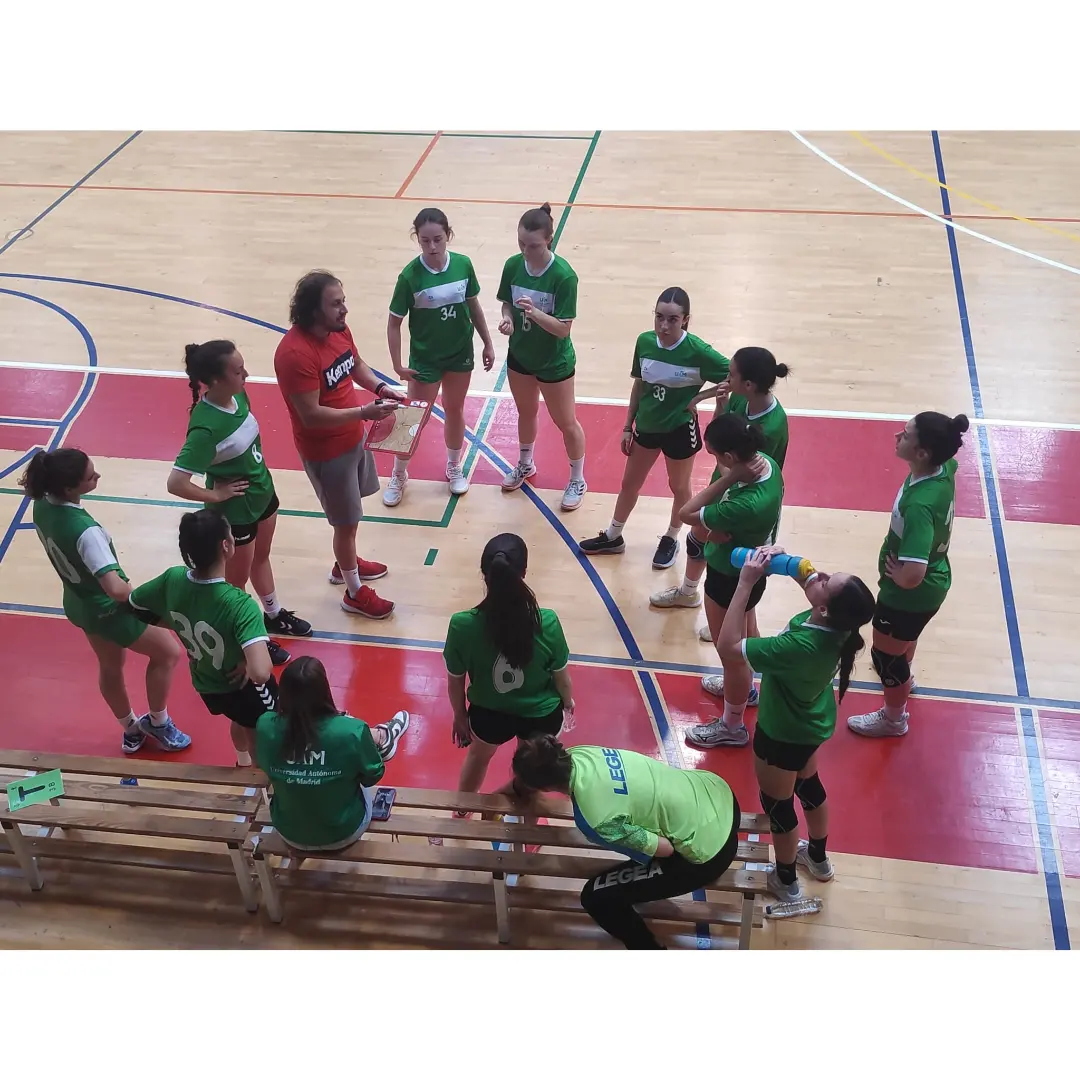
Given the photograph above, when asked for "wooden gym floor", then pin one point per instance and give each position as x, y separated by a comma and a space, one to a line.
831, 249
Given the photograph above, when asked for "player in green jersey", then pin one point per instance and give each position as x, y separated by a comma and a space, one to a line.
678, 827
220, 625
669, 369
513, 654
538, 292
797, 712
913, 565
321, 761
95, 588
439, 293
742, 509
223, 444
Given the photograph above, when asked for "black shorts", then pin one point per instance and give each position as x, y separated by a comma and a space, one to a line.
496, 728
901, 625
245, 534
515, 365
681, 443
789, 756
720, 588
246, 705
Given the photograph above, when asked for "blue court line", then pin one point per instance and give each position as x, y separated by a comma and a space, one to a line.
74, 187
28, 421
1058, 920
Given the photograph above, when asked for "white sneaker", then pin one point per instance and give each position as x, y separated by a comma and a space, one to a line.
517, 476
705, 634
574, 493
714, 684
717, 733
821, 871
395, 489
459, 482
675, 597
877, 725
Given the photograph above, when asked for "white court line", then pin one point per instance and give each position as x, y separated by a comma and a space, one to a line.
932, 216
505, 395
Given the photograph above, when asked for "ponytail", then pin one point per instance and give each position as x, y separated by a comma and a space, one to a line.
759, 366
205, 364
848, 611
730, 433
511, 613
539, 220
304, 700
54, 472
939, 435
201, 535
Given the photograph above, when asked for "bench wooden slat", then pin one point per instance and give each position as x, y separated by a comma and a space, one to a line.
123, 820
65, 850
142, 769
163, 798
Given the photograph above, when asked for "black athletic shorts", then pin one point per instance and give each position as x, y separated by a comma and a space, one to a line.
496, 728
245, 534
246, 705
901, 625
515, 365
720, 588
789, 756
681, 443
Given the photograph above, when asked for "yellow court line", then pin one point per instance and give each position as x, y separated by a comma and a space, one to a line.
881, 152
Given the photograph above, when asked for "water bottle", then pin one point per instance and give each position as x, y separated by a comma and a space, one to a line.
794, 566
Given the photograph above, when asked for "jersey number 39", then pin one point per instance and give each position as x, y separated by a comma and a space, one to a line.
200, 640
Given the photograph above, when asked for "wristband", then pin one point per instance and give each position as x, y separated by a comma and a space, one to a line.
380, 388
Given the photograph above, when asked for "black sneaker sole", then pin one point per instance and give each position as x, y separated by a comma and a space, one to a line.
602, 551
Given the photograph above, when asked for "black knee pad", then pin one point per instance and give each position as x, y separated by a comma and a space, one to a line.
695, 549
782, 816
811, 792
892, 670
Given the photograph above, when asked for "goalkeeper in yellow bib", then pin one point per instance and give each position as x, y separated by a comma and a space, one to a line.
915, 575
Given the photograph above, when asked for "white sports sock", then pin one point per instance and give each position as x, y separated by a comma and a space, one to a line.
159, 719
352, 579
614, 530
453, 457
688, 587
128, 721
401, 466
673, 532
577, 468
525, 453
270, 604
243, 758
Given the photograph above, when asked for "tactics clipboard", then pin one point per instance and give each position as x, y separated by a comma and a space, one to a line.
398, 433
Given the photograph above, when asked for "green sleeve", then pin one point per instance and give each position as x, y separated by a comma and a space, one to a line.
402, 300
556, 642
457, 662
472, 287
773, 655
504, 295
635, 366
150, 596
714, 366
620, 832
722, 516
370, 765
918, 538
248, 625
566, 297
197, 453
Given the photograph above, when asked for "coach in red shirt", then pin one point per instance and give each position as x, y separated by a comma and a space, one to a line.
318, 370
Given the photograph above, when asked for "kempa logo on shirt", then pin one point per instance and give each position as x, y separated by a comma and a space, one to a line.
613, 760
640, 872
340, 369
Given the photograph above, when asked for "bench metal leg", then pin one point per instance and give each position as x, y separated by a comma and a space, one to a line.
269, 890
27, 862
502, 908
746, 926
243, 878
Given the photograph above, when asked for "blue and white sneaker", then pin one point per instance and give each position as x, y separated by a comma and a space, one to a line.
168, 736
717, 733
394, 729
714, 684
133, 739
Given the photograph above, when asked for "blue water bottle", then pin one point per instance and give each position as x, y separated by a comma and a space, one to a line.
794, 566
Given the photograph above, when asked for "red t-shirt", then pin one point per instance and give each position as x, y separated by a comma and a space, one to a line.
304, 363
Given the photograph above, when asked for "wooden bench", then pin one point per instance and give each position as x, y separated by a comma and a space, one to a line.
583, 861
104, 805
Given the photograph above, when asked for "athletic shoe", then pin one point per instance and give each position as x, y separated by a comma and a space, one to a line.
369, 571
666, 552
458, 481
714, 684
877, 725
278, 655
602, 545
366, 602
286, 624
393, 491
675, 597
822, 871
717, 733
168, 736
786, 894
517, 476
133, 739
394, 729
705, 634
573, 494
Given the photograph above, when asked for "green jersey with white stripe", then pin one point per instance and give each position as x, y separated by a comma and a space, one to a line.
224, 445
440, 327
216, 621
673, 376
772, 421
554, 292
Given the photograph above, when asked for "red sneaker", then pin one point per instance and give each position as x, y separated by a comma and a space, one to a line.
366, 602
369, 571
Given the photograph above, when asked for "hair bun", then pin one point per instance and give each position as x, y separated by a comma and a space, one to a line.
546, 208
782, 371
960, 423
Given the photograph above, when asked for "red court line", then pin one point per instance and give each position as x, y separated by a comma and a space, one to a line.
416, 168
804, 211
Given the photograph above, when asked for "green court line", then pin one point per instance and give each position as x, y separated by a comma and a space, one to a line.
446, 134
593, 140
432, 552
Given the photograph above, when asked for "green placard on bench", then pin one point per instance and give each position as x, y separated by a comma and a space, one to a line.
35, 789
